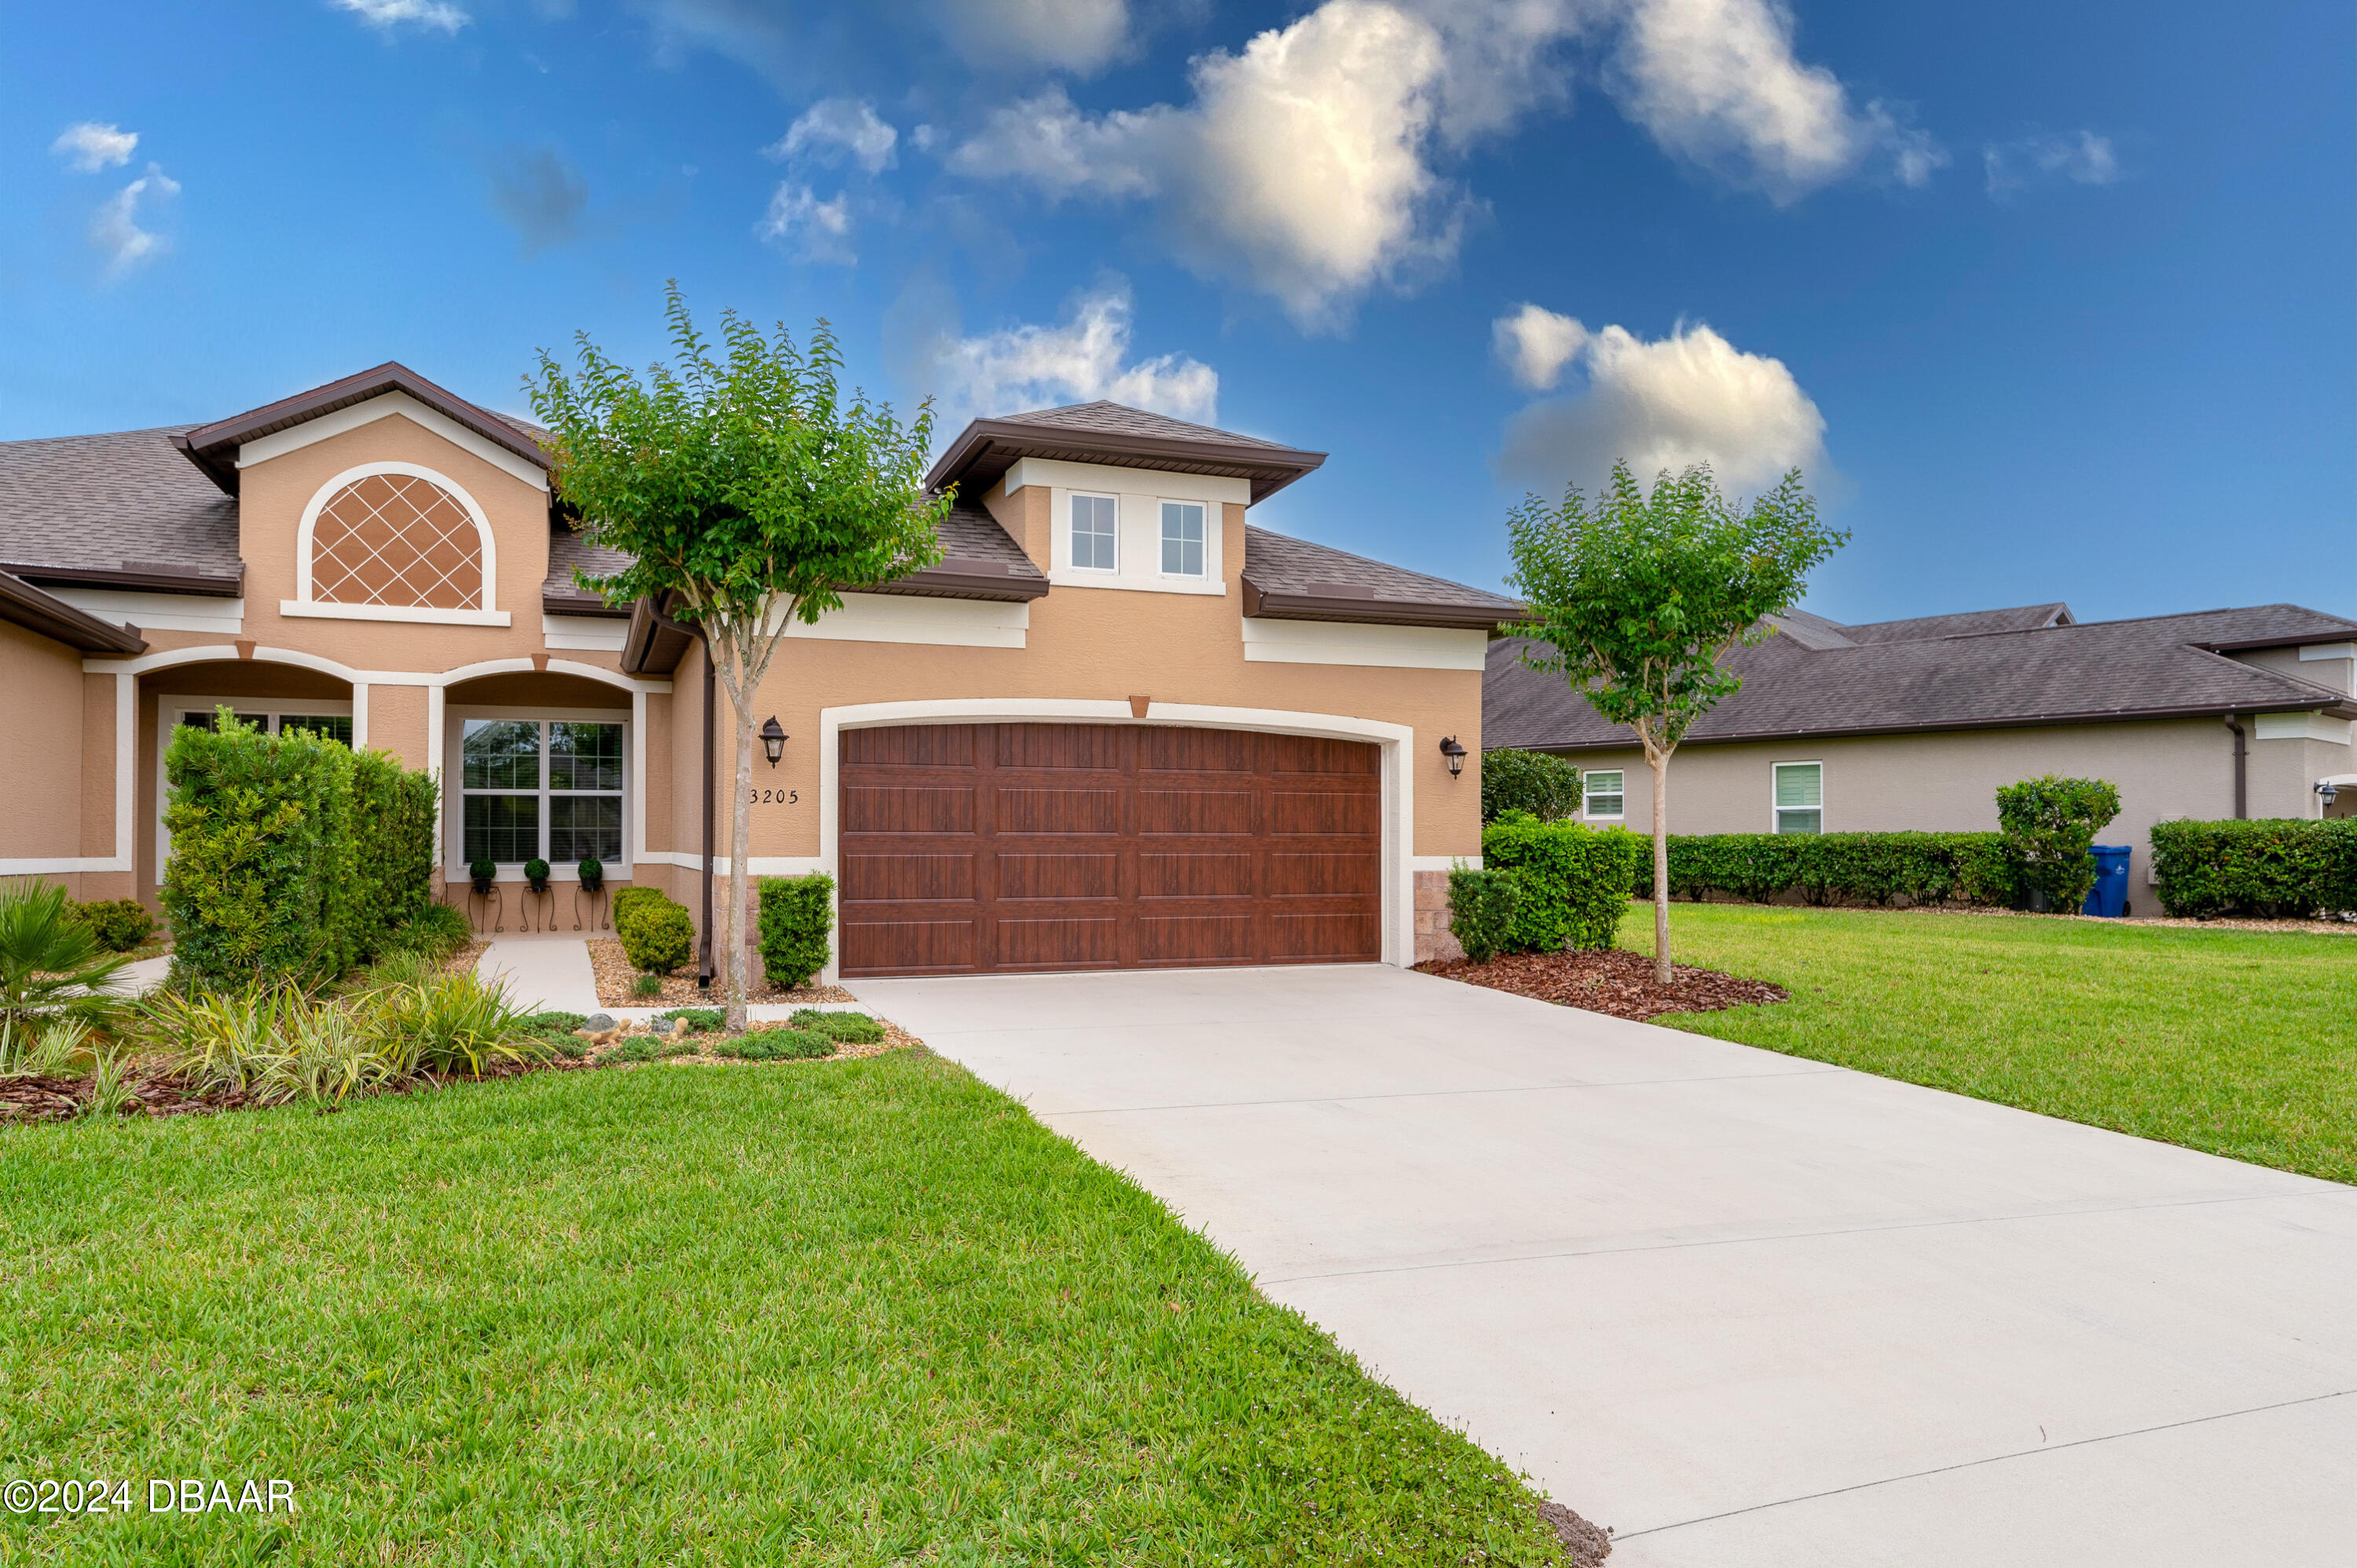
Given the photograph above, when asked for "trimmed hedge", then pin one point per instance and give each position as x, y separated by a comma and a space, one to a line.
658, 936
1575, 880
1546, 787
797, 914
292, 858
2271, 868
1865, 868
118, 925
2049, 824
1482, 906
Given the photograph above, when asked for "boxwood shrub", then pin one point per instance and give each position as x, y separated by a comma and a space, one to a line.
658, 936
1575, 880
1546, 787
797, 914
1826, 869
2271, 868
119, 924
1481, 905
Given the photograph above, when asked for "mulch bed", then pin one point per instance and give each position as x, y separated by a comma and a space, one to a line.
1586, 1544
1615, 981
159, 1094
616, 975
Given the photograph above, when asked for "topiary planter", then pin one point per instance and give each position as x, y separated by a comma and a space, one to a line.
535, 872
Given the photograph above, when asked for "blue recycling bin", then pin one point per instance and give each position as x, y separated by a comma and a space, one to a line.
2109, 897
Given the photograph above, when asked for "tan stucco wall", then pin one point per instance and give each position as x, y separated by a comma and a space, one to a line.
2333, 674
1948, 782
42, 714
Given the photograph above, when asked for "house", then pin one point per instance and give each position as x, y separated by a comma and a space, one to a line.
1117, 726
1916, 724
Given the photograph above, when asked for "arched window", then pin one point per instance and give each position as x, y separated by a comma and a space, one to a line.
394, 541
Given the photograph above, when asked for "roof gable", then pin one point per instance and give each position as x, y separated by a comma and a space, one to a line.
214, 447
1115, 433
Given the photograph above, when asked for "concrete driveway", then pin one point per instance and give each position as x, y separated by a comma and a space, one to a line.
1744, 1308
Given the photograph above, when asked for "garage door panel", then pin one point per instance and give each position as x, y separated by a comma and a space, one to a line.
912, 875
979, 847
908, 809
1323, 813
1059, 942
1199, 874
1056, 810
1195, 938
1059, 875
1195, 811
911, 947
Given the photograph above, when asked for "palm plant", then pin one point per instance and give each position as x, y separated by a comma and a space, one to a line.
52, 968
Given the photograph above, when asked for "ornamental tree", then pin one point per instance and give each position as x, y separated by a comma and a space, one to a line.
749, 492
1637, 599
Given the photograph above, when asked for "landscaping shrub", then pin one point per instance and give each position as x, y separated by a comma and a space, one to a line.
1482, 906
118, 924
658, 935
1825, 868
2049, 824
797, 913
2271, 868
1575, 880
647, 985
438, 932
274, 876
53, 973
1546, 787
703, 1020
775, 1045
851, 1028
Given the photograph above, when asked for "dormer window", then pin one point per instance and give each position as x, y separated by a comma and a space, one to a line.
1096, 536
1183, 538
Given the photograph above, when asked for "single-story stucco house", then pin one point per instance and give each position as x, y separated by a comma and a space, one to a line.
1916, 724
1118, 726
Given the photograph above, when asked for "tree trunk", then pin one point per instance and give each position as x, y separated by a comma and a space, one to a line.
1660, 763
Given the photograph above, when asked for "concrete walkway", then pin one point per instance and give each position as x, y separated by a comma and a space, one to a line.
553, 973
1745, 1308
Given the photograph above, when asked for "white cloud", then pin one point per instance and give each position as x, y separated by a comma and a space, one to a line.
835, 129
812, 230
1082, 36
1081, 360
1692, 397
89, 147
435, 16
2081, 157
1537, 345
114, 231
1717, 82
1298, 170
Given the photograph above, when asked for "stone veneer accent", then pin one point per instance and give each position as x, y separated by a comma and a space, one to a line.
1434, 939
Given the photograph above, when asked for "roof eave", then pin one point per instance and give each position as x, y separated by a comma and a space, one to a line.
151, 581
1268, 468
955, 580
1370, 611
213, 448
24, 605
2339, 709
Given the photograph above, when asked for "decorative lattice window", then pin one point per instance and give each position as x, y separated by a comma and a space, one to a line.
396, 539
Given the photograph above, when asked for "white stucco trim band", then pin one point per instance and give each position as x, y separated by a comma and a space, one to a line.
1397, 742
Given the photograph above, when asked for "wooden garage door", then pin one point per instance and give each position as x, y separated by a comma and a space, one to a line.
968, 848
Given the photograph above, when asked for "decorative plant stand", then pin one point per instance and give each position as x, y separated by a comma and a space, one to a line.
596, 906
491, 906
538, 902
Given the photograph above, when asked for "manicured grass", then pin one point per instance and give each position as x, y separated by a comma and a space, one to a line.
865, 1312
2241, 1043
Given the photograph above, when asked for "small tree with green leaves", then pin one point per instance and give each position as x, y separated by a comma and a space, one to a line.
749, 490
1636, 600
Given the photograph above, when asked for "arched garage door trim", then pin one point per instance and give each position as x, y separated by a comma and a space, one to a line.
1394, 740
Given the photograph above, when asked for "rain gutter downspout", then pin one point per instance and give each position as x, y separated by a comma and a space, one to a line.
2242, 771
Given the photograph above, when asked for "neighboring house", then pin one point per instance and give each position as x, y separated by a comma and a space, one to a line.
1915, 724
1117, 726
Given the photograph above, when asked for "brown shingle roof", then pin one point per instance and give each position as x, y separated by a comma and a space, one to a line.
21, 603
1292, 579
2073, 672
1117, 433
123, 508
1970, 623
1119, 418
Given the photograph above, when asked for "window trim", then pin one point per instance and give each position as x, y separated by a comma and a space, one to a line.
454, 774
1071, 532
1162, 537
1623, 814
170, 705
1775, 771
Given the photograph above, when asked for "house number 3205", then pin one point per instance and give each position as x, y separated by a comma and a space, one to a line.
777, 797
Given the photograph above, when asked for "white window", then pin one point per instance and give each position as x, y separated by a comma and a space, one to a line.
1800, 797
540, 790
1095, 539
1605, 798
1183, 538
333, 725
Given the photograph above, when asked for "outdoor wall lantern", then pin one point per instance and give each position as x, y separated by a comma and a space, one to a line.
1450, 749
773, 740
2328, 793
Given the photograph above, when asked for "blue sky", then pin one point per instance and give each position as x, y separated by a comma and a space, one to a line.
2050, 301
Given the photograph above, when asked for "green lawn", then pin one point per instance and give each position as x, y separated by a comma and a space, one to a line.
2241, 1043
859, 1312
